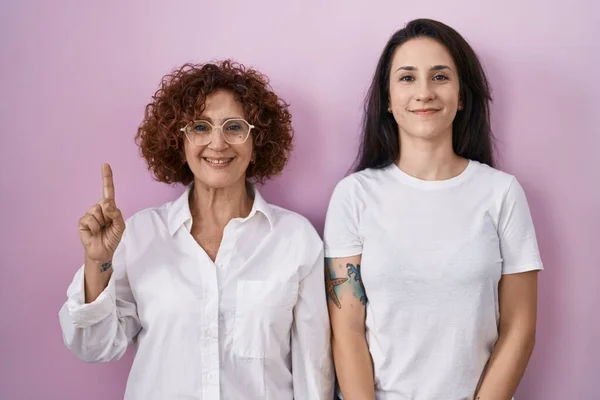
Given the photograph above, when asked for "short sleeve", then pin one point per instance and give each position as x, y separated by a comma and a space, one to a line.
341, 234
518, 242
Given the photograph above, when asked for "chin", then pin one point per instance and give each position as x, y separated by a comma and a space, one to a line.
428, 132
219, 179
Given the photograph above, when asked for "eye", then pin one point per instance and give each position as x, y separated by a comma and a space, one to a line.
234, 127
406, 78
440, 77
201, 127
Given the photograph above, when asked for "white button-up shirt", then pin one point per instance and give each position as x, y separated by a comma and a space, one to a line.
251, 325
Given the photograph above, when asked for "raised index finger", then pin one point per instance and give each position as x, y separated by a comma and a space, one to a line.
108, 188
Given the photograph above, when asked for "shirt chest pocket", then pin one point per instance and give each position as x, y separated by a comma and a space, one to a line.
263, 318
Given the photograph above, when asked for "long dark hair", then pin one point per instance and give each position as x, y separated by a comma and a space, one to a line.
472, 136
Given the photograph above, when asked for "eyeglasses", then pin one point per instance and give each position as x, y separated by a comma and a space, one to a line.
234, 131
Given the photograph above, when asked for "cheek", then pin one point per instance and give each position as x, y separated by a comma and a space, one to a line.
451, 95
398, 98
452, 99
191, 152
245, 152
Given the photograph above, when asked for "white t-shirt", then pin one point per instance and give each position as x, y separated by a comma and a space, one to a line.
433, 253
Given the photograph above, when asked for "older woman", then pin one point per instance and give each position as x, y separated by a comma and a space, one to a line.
222, 292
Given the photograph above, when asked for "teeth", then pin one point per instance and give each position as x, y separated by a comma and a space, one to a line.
220, 161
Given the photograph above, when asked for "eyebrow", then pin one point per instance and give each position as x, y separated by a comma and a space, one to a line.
209, 119
434, 68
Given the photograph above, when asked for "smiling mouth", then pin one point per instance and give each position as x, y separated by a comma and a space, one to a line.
425, 111
218, 162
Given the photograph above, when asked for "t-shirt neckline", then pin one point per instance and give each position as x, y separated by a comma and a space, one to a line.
438, 184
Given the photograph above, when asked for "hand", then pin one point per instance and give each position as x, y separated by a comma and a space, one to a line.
102, 226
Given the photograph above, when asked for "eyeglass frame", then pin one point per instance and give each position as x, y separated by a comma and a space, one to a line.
219, 127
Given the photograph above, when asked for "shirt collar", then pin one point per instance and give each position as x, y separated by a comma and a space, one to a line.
180, 214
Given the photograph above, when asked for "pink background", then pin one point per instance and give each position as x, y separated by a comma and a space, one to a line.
75, 77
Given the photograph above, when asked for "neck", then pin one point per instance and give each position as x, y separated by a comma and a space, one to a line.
429, 160
219, 206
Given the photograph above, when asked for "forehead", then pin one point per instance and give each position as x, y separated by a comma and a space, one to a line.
222, 104
422, 53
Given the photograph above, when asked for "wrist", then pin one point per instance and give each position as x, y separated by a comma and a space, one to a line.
102, 265
96, 277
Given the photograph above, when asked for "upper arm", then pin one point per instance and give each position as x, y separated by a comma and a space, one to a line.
343, 248
518, 242
521, 261
345, 294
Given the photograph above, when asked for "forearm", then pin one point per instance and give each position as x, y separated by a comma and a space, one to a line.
353, 366
96, 277
506, 366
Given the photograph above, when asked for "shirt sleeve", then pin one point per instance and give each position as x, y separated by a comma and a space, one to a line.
518, 242
312, 363
341, 233
100, 331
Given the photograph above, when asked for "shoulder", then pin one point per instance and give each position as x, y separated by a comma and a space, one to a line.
297, 235
367, 177
504, 192
362, 183
293, 224
152, 219
501, 182
149, 215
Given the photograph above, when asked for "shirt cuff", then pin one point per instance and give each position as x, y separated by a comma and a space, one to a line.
343, 252
84, 315
516, 269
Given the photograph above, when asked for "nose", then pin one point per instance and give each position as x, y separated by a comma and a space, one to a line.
217, 141
424, 91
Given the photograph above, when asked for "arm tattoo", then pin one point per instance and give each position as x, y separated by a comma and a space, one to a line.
354, 279
105, 266
359, 290
331, 283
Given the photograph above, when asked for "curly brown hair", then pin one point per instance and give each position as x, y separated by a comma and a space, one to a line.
181, 98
